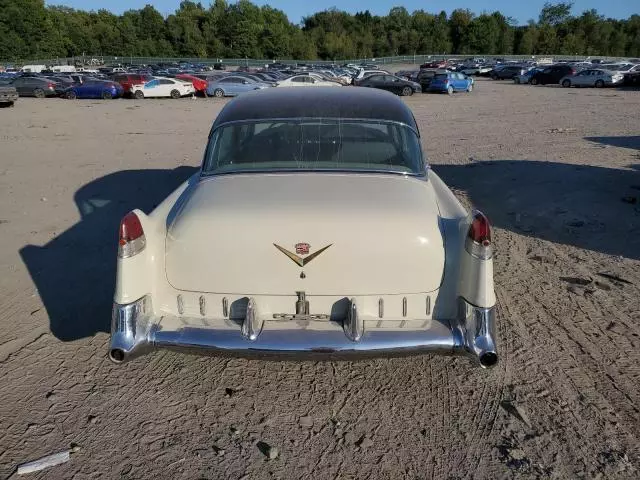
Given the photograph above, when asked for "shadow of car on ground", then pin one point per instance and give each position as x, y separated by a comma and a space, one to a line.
75, 272
567, 204
594, 208
632, 142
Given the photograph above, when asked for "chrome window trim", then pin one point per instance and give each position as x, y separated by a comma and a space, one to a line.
289, 119
316, 170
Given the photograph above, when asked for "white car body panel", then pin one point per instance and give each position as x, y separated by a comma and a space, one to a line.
176, 261
410, 253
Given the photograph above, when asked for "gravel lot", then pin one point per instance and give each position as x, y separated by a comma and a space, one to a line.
549, 166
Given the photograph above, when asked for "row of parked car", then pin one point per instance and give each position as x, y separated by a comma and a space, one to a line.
567, 74
572, 76
185, 80
141, 83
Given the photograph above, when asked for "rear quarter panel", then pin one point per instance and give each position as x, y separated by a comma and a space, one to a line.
464, 275
144, 274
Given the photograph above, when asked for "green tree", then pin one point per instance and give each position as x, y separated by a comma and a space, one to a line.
24, 30
184, 29
459, 24
555, 13
29, 30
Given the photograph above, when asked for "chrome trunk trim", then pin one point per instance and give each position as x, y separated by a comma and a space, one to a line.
353, 325
225, 307
302, 305
252, 324
180, 303
285, 317
203, 305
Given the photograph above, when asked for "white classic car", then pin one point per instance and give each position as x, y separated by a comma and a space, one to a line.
314, 227
307, 81
163, 87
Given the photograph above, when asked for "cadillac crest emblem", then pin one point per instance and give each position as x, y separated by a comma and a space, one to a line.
302, 248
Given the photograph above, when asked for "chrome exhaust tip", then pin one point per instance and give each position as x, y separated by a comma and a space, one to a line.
116, 355
488, 359
130, 335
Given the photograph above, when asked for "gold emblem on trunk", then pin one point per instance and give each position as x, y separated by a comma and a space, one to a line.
298, 260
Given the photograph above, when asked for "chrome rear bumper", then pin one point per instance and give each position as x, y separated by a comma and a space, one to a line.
135, 331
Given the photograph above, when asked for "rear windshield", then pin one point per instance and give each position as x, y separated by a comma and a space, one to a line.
313, 144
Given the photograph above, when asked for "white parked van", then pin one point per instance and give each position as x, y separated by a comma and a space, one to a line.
64, 69
33, 68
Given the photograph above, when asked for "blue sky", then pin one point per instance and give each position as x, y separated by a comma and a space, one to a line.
522, 11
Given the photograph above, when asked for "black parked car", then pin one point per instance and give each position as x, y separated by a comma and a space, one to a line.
632, 79
552, 74
391, 83
35, 87
507, 73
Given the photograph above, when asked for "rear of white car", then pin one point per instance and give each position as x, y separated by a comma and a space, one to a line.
277, 247
219, 278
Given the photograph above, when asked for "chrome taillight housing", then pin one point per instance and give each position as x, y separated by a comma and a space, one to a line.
478, 242
131, 239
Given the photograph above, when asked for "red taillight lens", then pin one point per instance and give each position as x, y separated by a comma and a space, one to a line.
131, 240
51, 85
478, 241
480, 229
446, 82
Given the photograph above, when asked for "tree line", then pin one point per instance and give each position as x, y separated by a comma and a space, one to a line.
29, 29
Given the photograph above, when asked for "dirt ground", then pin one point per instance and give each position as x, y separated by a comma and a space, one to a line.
556, 170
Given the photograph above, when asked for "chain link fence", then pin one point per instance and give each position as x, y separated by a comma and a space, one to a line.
100, 60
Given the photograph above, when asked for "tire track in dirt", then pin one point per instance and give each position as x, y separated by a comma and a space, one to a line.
568, 344
568, 360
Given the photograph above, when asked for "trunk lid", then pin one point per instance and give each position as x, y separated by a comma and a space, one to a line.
236, 234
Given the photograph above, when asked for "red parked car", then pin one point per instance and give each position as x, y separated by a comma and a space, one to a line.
199, 84
127, 80
436, 64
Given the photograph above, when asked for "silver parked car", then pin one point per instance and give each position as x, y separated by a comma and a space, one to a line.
592, 78
232, 85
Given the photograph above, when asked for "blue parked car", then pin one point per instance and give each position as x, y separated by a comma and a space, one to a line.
450, 82
94, 89
233, 85
526, 76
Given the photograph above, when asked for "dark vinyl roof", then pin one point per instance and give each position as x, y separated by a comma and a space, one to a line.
317, 102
